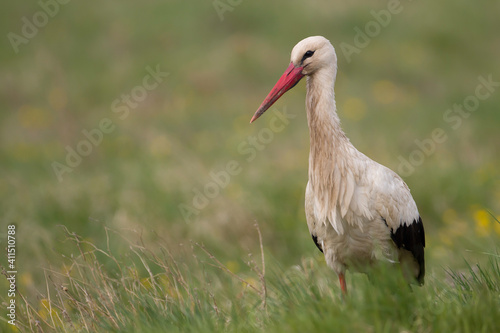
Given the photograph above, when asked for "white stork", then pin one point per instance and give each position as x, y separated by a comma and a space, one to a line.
357, 210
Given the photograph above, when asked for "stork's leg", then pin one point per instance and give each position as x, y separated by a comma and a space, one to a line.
343, 285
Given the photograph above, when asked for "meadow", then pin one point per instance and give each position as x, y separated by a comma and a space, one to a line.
144, 201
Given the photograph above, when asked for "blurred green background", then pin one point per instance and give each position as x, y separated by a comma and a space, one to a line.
221, 62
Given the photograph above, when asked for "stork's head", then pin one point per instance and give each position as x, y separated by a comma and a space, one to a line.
308, 57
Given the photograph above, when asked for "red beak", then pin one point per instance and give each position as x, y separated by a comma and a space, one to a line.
286, 82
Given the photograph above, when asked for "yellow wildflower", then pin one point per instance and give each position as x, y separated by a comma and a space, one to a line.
233, 266
483, 222
146, 282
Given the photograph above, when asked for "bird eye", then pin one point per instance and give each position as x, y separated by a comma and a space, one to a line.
308, 54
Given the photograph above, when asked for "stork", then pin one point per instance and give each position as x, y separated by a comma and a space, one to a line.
357, 210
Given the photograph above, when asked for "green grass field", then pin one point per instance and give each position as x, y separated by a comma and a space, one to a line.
142, 203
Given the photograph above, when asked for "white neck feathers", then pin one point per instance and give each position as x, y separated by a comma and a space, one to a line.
331, 177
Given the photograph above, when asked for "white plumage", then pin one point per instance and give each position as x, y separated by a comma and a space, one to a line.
355, 207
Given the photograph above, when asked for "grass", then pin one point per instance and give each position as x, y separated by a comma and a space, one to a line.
142, 290
107, 248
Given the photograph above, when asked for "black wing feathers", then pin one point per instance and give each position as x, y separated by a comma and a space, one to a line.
411, 237
315, 239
